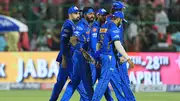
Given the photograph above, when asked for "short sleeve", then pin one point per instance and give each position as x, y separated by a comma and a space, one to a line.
78, 30
121, 33
66, 30
114, 34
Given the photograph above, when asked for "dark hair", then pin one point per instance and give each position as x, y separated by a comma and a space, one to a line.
85, 9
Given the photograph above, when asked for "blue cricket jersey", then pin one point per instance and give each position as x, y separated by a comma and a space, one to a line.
93, 36
120, 27
82, 31
108, 33
121, 34
66, 32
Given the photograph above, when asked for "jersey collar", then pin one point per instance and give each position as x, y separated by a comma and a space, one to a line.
70, 21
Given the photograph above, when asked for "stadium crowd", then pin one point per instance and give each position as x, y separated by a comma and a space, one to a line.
153, 25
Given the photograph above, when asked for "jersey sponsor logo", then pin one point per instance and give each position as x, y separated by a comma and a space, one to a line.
103, 30
94, 29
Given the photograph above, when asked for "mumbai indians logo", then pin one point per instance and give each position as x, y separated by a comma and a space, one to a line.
103, 10
75, 8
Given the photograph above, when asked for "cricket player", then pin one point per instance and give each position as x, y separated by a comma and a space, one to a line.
65, 54
101, 18
81, 58
109, 40
123, 71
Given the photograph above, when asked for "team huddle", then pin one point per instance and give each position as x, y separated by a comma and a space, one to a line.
91, 50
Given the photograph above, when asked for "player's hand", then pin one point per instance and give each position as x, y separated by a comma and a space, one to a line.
131, 64
87, 56
122, 60
64, 63
98, 65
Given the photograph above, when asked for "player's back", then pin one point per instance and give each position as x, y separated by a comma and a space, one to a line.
107, 35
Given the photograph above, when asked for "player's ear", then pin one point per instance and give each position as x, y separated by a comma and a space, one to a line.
118, 19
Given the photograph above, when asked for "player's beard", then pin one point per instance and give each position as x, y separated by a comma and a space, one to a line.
77, 19
119, 23
91, 19
102, 19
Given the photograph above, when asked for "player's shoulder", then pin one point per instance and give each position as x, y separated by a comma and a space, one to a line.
68, 23
112, 27
96, 24
109, 25
109, 17
112, 24
80, 25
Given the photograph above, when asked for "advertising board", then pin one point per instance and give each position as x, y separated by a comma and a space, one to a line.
41, 67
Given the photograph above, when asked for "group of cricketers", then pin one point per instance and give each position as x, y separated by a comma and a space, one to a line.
91, 50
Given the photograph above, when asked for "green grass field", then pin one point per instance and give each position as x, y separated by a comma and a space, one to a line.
37, 95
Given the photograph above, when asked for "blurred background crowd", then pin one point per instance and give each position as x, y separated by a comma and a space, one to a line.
153, 25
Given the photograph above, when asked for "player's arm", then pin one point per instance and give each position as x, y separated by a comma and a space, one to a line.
74, 40
97, 53
121, 58
115, 38
65, 32
98, 46
76, 35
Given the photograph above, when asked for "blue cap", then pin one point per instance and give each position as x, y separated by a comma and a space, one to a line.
73, 9
102, 11
118, 5
118, 14
88, 10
